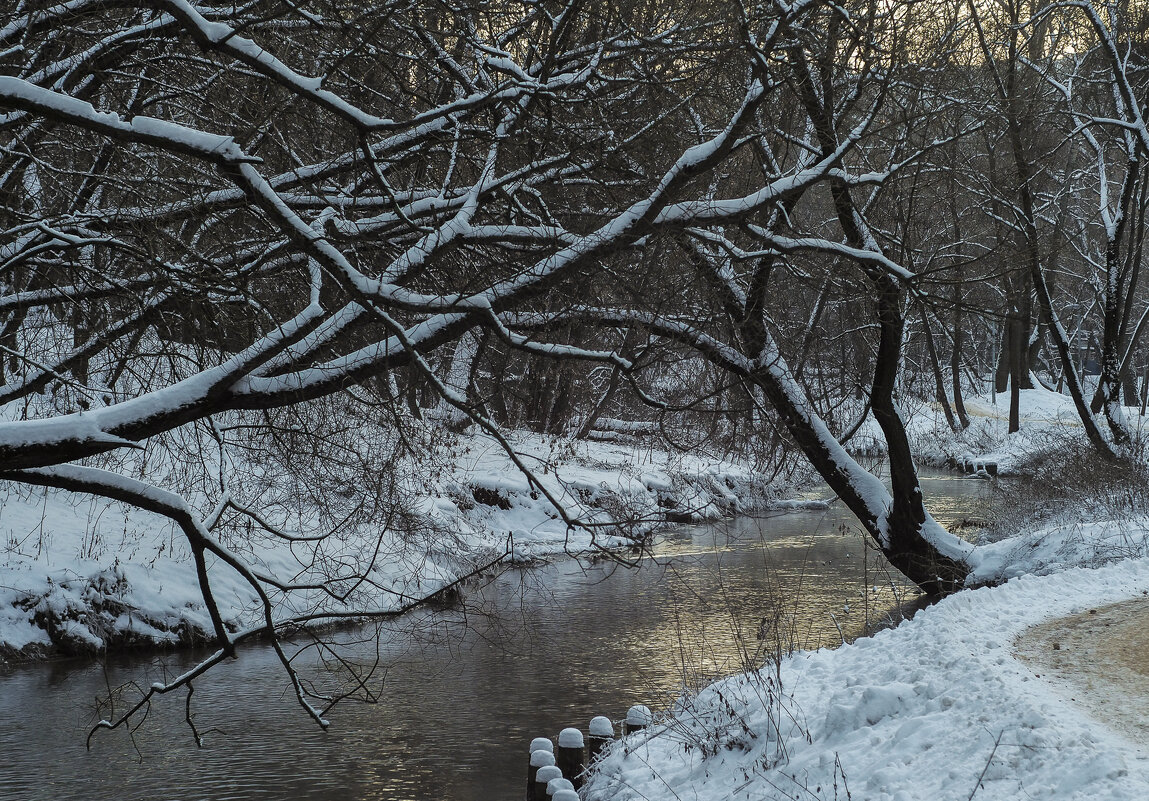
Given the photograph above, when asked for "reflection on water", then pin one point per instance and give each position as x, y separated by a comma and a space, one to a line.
462, 692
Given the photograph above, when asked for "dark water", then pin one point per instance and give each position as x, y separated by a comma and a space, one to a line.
462, 692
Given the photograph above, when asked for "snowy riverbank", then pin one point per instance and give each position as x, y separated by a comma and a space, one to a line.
940, 707
79, 574
1049, 422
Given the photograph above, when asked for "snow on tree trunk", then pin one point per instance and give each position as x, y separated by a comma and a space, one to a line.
458, 378
927, 554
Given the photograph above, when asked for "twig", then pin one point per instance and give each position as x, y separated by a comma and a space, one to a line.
988, 762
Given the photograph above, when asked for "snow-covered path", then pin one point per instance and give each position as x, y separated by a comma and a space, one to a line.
1098, 659
941, 708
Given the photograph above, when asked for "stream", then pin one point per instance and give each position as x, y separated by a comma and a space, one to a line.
462, 691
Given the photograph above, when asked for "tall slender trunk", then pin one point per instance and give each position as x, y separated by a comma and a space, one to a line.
1144, 389
955, 353
939, 382
1015, 367
1045, 301
1129, 387
1120, 277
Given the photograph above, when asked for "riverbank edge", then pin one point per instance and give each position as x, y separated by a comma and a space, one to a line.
481, 494
951, 676
657, 490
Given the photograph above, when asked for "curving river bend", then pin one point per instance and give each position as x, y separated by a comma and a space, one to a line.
463, 691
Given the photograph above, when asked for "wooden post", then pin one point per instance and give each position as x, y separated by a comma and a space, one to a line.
544, 777
601, 735
539, 759
570, 755
638, 717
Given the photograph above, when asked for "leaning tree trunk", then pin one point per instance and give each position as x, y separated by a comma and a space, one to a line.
907, 549
914, 542
927, 554
1072, 379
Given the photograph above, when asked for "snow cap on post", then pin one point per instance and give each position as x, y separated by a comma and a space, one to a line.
554, 785
601, 736
565, 795
541, 759
638, 717
542, 744
570, 738
547, 773
601, 727
570, 755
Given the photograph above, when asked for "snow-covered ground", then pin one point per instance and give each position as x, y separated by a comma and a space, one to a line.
78, 574
942, 707
1048, 421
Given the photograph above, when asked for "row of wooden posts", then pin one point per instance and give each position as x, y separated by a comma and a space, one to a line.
558, 773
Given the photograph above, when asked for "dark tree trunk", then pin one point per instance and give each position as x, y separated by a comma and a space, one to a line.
559, 411
908, 551
1144, 389
939, 382
1016, 366
902, 534
411, 393
898, 528
1004, 352
1037, 278
955, 354
1129, 387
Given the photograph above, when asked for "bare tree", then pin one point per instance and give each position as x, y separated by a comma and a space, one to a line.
216, 215
1100, 97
